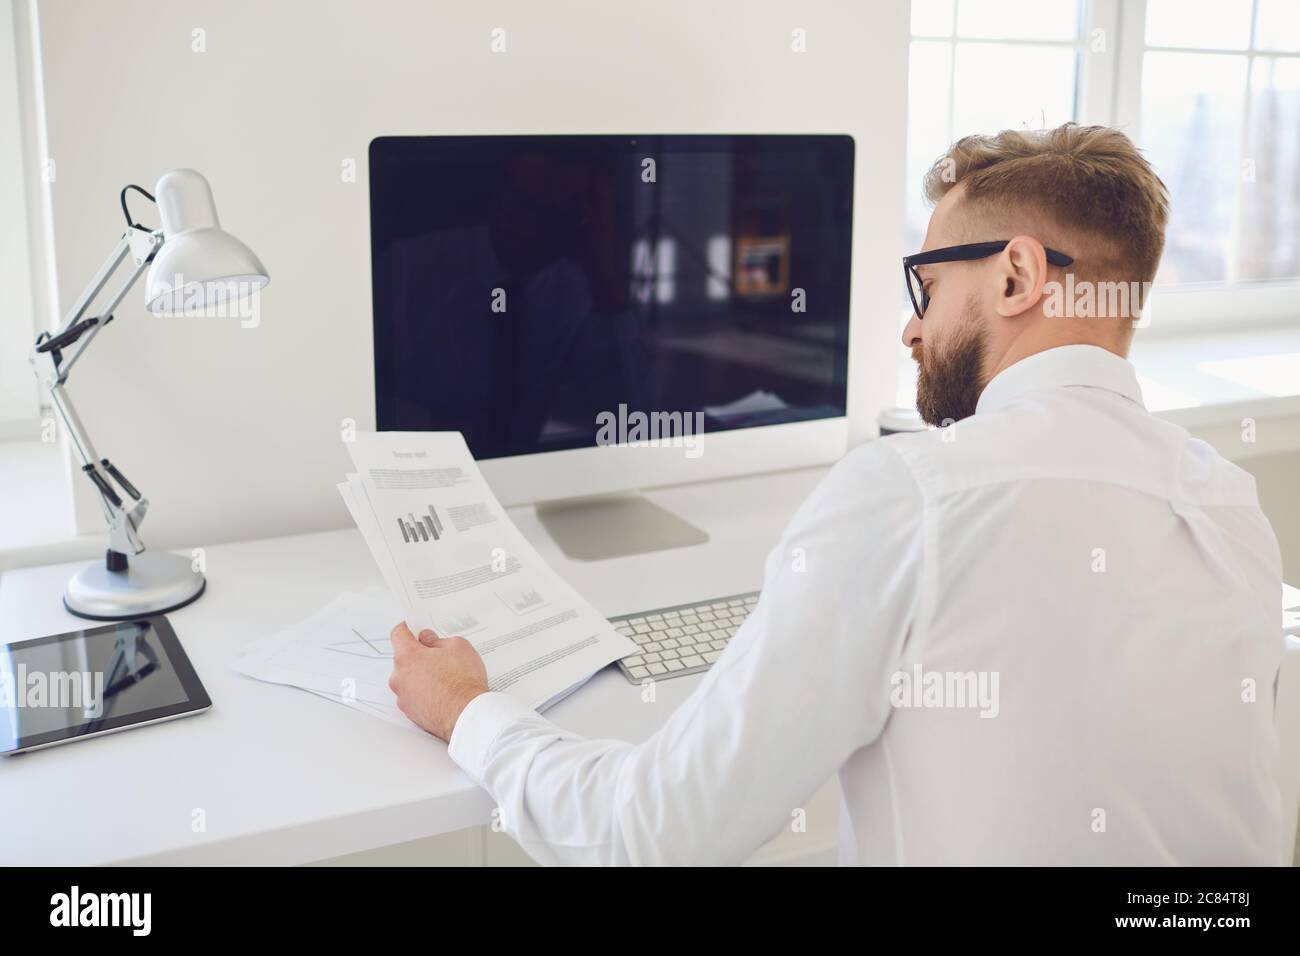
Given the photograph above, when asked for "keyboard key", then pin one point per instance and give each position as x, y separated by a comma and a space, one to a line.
672, 613
693, 661
719, 645
719, 605
669, 643
654, 617
690, 619
670, 654
641, 628
711, 656
634, 661
641, 638
707, 626
638, 672
658, 626
635, 620
654, 646
657, 669
674, 665
735, 602
707, 616
675, 632
652, 658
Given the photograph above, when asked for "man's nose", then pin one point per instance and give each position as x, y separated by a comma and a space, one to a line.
912, 331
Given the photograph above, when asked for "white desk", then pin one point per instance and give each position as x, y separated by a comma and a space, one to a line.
284, 777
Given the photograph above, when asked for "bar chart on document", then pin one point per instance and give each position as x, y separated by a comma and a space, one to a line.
417, 529
454, 559
521, 597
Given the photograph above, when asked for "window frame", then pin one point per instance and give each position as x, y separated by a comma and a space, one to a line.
1211, 306
1108, 92
20, 415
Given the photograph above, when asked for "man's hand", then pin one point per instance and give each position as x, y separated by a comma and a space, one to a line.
435, 678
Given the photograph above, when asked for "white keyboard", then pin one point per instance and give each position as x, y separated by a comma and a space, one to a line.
681, 640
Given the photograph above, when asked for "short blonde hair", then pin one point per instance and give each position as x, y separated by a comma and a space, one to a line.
1088, 185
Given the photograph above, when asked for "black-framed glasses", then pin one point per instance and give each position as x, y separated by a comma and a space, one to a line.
963, 253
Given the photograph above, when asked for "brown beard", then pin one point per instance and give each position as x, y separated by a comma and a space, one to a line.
949, 381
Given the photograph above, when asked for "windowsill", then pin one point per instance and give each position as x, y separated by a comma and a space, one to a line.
1240, 391
1200, 379
1197, 380
1218, 370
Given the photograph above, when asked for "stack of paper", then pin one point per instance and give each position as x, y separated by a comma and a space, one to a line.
342, 653
455, 564
1290, 609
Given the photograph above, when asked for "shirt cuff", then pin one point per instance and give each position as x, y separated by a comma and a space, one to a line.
478, 727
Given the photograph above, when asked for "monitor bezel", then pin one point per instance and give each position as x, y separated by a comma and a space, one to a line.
604, 470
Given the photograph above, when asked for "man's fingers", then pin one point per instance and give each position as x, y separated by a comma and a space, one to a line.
402, 638
430, 639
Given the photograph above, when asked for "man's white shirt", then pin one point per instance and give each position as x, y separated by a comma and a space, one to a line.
1046, 634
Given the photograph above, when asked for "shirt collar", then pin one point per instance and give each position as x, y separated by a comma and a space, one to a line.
1065, 366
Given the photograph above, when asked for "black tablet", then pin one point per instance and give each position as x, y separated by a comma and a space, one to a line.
86, 683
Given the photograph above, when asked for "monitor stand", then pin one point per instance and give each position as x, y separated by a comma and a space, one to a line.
614, 526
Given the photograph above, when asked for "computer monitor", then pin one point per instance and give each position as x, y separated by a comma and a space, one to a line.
600, 314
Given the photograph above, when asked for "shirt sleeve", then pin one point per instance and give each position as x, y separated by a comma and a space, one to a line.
802, 685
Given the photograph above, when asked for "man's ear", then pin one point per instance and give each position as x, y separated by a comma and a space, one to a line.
1020, 273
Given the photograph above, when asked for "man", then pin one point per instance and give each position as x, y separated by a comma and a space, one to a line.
1043, 633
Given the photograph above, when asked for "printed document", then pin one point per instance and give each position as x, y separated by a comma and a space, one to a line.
451, 555
453, 562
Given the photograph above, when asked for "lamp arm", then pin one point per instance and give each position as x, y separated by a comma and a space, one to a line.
141, 245
52, 368
123, 519
100, 280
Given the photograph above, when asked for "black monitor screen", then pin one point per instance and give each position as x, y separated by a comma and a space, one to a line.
532, 291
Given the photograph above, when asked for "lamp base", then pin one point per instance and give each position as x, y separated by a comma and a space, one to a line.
154, 582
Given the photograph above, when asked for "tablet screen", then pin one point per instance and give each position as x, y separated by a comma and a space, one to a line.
91, 681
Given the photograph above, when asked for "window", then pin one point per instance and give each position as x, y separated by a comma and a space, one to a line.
966, 69
1220, 119
19, 406
1209, 89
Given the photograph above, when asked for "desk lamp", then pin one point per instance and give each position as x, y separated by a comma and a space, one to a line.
193, 264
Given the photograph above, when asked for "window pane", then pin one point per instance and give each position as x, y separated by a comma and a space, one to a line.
1269, 244
1277, 26
1003, 86
932, 18
928, 135
1191, 116
1210, 24
1018, 19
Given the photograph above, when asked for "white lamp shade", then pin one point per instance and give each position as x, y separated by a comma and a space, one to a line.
199, 264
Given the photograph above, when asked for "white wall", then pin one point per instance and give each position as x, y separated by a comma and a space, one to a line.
234, 433
1277, 478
